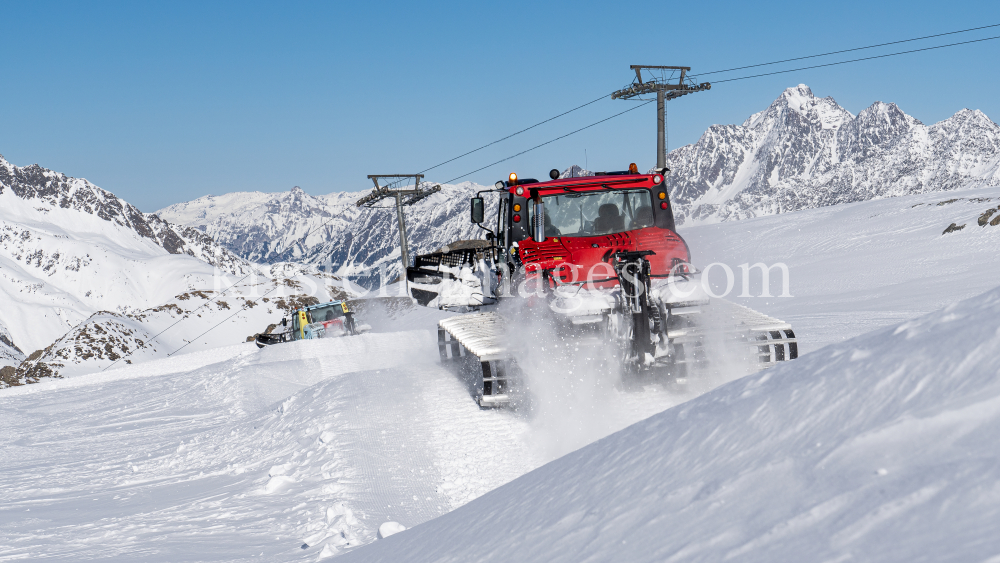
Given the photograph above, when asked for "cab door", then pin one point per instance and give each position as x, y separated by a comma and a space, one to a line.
302, 321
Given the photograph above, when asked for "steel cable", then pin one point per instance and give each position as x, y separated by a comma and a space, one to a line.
849, 50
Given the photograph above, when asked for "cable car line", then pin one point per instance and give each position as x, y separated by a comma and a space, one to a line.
849, 50
858, 60
549, 142
514, 134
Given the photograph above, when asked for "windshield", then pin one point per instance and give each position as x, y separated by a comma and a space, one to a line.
325, 314
595, 213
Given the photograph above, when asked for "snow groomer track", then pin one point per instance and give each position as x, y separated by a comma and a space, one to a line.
774, 338
482, 335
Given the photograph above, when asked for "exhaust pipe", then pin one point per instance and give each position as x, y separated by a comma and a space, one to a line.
539, 234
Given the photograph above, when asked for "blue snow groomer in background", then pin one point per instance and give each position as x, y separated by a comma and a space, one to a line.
324, 320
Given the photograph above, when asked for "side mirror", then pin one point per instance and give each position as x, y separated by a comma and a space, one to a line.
284, 322
478, 211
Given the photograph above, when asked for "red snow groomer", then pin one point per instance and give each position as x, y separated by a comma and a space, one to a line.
602, 253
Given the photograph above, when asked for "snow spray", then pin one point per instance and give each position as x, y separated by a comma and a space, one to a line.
567, 381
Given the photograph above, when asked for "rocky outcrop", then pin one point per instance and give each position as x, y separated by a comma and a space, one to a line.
10, 354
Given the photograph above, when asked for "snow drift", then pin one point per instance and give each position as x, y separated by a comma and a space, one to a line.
879, 449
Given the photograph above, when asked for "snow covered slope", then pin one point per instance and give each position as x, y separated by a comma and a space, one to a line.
858, 267
71, 249
876, 449
804, 152
133, 466
230, 454
75, 256
294, 452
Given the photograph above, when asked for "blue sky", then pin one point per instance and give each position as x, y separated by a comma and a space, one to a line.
165, 102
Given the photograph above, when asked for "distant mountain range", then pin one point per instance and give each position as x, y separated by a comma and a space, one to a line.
800, 152
330, 230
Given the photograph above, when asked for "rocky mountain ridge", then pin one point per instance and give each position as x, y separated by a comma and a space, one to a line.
48, 190
86, 279
805, 152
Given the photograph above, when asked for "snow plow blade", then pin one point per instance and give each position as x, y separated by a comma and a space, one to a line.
263, 340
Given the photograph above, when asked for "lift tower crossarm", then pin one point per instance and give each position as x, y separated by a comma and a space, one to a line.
665, 89
403, 197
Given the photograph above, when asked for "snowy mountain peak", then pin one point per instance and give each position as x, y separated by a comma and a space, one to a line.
967, 122
36, 195
824, 110
875, 129
797, 97
298, 198
575, 172
804, 151
885, 115
973, 115
797, 106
